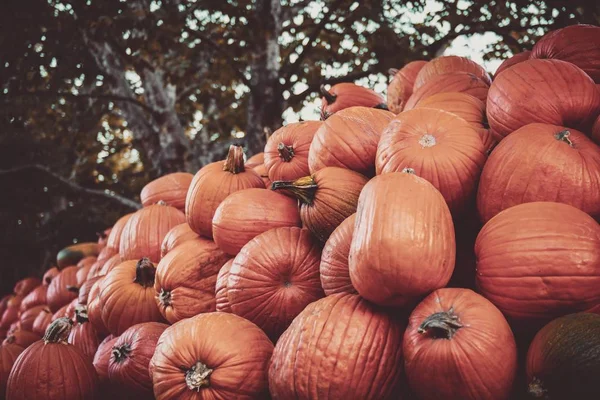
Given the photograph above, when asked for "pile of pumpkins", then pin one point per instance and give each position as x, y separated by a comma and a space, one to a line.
440, 244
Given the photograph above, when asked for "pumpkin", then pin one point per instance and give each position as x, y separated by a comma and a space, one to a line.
441, 148
255, 160
82, 274
452, 346
214, 355
35, 298
548, 91
63, 288
334, 272
28, 316
145, 230
8, 354
522, 166
185, 279
15, 301
41, 322
212, 184
84, 335
401, 86
171, 189
221, 299
352, 346
127, 296
177, 235
563, 360
87, 262
469, 108
596, 130
131, 354
286, 151
403, 246
463, 82
349, 140
257, 163
61, 313
274, 277
513, 60
327, 197
114, 238
261, 170
21, 337
25, 286
110, 264
94, 271
577, 44
102, 357
248, 213
70, 310
344, 95
71, 255
4, 303
103, 238
59, 369
84, 290
94, 308
50, 274
449, 64
537, 261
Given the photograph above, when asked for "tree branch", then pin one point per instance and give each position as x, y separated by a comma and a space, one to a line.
73, 185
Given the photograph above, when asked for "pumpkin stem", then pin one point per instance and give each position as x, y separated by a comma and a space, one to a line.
303, 188
161, 203
10, 338
382, 106
285, 152
144, 272
81, 314
408, 170
443, 325
234, 162
164, 298
120, 353
58, 331
330, 97
536, 389
198, 376
563, 136
427, 140
72, 288
392, 72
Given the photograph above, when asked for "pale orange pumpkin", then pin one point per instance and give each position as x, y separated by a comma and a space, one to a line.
449, 64
463, 82
334, 271
179, 234
401, 86
171, 189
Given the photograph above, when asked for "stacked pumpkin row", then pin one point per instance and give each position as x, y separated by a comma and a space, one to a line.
318, 269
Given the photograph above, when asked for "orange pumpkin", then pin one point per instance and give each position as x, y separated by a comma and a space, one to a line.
349, 140
84, 335
257, 163
114, 239
171, 189
222, 301
63, 288
24, 286
61, 313
179, 234
87, 262
110, 264
403, 245
21, 337
85, 289
449, 64
41, 322
401, 86
94, 308
469, 108
335, 275
103, 238
185, 279
212, 184
257, 159
515, 59
596, 129
28, 316
102, 357
463, 82
440, 147
344, 95
50, 274
35, 298
8, 355
248, 213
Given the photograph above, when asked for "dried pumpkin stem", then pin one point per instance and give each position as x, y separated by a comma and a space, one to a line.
382, 106
536, 389
58, 331
443, 325
72, 288
120, 353
392, 72
81, 314
330, 97
303, 188
164, 298
234, 162
198, 376
563, 136
285, 152
144, 273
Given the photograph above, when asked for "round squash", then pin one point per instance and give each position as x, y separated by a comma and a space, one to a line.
403, 245
71, 255
171, 189
102, 357
248, 213
349, 140
334, 272
114, 238
36, 297
538, 261
469, 108
94, 308
84, 335
286, 151
463, 82
63, 288
110, 264
28, 316
25, 286
212, 184
87, 262
596, 129
84, 290
447, 65
345, 95
401, 86
185, 279
8, 355
179, 234
339, 347
61, 313
255, 160
214, 355
548, 91
103, 238
50, 274
274, 277
514, 59
21, 337
41, 322
4, 303
221, 298
522, 166
440, 147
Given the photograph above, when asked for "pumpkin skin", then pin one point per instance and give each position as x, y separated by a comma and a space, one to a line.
127, 296
274, 277
110, 264
248, 213
344, 95
527, 93
103, 238
349, 140
452, 346
553, 154
222, 301
515, 59
84, 335
8, 355
334, 272
235, 351
403, 245
286, 151
469, 108
21, 337
171, 189
212, 184
114, 238
87, 262
355, 352
62, 372
563, 361
326, 198
179, 234
257, 159
185, 279
131, 354
4, 303
441, 148
449, 64
41, 322
401, 86
28, 316
94, 308
63, 288
36, 297
596, 130
61, 313
102, 357
25, 286
145, 230
84, 290
50, 274
577, 44
537, 261
463, 82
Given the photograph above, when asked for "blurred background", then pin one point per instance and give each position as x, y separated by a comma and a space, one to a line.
99, 97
